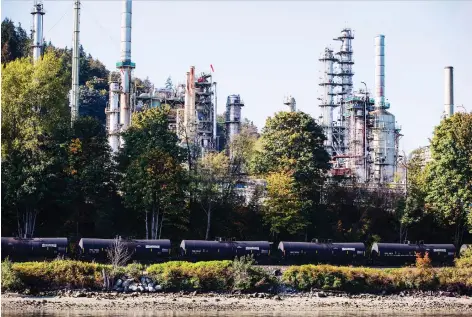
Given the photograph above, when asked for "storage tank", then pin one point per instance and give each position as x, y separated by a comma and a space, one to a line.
223, 250
316, 252
405, 253
19, 249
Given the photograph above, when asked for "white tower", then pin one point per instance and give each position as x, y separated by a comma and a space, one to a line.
291, 103
37, 31
74, 93
448, 91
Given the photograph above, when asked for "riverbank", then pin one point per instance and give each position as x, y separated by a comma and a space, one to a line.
255, 302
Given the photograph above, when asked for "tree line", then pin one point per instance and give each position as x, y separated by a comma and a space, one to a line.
63, 180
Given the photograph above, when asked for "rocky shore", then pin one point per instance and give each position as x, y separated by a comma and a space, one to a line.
194, 302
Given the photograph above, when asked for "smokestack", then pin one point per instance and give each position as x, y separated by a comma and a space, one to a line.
379, 71
74, 94
37, 13
449, 91
125, 66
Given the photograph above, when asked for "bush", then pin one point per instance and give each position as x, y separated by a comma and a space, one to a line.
60, 273
211, 275
10, 279
374, 280
423, 262
247, 277
465, 260
134, 270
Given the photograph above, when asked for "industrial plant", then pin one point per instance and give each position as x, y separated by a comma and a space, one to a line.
362, 136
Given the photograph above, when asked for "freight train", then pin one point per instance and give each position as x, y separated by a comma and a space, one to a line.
155, 251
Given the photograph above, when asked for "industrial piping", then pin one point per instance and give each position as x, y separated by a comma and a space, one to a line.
379, 71
448, 91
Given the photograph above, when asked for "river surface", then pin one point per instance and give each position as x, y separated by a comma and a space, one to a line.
321, 313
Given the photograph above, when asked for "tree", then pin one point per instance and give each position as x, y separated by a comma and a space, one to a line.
213, 181
169, 84
15, 41
153, 178
33, 107
151, 182
283, 208
292, 142
90, 176
449, 174
93, 102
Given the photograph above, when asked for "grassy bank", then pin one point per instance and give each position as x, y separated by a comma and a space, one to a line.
239, 275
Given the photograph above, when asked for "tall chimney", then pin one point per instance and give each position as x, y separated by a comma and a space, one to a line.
74, 93
37, 13
125, 65
448, 91
380, 71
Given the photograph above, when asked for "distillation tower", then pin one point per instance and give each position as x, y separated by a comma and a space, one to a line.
290, 102
75, 92
234, 103
362, 137
199, 113
37, 31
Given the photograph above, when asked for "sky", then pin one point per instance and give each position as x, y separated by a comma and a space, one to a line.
265, 50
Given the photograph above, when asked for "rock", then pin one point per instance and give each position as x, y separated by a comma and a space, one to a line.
148, 280
128, 282
277, 272
174, 299
151, 284
321, 294
151, 289
140, 288
133, 287
217, 299
44, 301
119, 282
277, 297
80, 294
384, 292
194, 293
158, 288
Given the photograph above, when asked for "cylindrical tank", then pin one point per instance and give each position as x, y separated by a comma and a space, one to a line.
394, 253
203, 249
315, 252
18, 249
151, 250
440, 253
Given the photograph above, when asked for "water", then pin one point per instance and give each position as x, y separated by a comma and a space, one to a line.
320, 313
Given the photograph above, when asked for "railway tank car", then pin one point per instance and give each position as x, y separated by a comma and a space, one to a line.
464, 248
147, 251
322, 252
197, 250
405, 253
22, 249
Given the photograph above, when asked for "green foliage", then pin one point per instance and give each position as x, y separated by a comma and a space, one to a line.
212, 275
374, 280
134, 270
448, 181
246, 276
10, 278
465, 259
15, 41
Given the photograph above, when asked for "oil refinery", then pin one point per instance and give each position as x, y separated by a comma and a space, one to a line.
362, 135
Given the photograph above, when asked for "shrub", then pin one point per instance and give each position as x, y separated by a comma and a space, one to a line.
465, 260
10, 278
423, 262
134, 270
211, 275
248, 277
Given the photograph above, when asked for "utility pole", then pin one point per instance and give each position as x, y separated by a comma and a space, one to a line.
74, 94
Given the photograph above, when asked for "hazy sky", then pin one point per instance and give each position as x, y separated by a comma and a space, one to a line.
264, 50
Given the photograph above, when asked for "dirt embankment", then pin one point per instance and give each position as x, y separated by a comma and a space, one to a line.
256, 302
